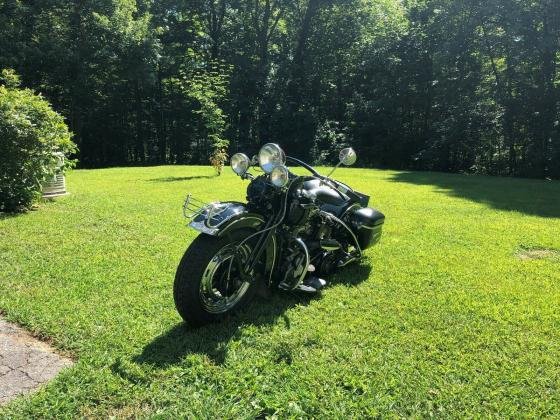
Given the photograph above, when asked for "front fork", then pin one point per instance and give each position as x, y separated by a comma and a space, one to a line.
265, 241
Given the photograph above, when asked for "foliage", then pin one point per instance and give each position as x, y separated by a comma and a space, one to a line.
205, 89
457, 86
30, 133
329, 140
218, 158
442, 319
9, 78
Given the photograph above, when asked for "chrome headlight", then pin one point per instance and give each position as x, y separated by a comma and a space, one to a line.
270, 156
279, 176
240, 163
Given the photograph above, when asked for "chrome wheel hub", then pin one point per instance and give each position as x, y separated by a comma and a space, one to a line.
222, 285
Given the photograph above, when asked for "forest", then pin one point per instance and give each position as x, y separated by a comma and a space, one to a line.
446, 85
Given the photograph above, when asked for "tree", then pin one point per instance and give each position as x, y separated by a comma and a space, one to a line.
462, 86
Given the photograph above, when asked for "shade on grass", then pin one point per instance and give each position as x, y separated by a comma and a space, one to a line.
442, 319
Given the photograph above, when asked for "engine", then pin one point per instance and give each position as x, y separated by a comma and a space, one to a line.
308, 244
311, 237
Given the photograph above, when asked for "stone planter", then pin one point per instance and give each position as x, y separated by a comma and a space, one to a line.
56, 186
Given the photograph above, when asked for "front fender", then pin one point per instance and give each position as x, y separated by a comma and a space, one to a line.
221, 218
232, 216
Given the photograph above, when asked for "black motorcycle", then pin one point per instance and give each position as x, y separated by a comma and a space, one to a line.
293, 231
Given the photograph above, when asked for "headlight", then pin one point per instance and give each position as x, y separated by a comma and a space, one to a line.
239, 163
279, 176
270, 156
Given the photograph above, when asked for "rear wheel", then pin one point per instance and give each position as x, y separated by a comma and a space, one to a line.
211, 281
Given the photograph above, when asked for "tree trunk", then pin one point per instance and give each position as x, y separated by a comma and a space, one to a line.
160, 118
549, 109
295, 95
140, 153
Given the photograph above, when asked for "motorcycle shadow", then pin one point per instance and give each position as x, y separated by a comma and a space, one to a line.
351, 275
174, 346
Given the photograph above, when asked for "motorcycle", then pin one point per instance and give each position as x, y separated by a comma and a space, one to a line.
291, 233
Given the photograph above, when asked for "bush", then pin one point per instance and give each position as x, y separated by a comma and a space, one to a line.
30, 133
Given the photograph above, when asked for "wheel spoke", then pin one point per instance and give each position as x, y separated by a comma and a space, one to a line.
221, 287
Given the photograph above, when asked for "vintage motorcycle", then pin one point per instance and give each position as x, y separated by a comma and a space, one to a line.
292, 231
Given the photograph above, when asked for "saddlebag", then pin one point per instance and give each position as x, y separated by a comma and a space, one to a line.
368, 224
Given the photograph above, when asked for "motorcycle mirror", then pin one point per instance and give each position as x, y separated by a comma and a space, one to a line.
347, 156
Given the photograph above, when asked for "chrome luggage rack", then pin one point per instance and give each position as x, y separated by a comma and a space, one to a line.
192, 207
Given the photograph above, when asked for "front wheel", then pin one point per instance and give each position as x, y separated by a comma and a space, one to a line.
211, 281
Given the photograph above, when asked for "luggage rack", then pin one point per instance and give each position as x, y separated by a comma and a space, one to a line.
193, 207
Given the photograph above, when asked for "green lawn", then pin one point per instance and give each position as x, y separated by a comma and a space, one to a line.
443, 319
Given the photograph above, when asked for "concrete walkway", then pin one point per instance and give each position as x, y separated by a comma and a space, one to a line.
25, 362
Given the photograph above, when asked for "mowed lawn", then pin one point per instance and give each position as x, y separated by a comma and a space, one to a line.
443, 318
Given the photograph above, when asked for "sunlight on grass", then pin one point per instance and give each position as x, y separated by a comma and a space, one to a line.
442, 319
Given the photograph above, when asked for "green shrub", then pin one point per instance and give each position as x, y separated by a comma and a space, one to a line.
30, 133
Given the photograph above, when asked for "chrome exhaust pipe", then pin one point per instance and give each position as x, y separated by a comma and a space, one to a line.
330, 245
306, 263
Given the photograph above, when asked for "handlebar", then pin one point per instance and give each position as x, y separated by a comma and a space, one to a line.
335, 184
304, 165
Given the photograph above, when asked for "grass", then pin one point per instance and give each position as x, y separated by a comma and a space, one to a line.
443, 319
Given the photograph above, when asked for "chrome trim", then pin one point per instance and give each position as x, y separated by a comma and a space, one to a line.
203, 221
214, 212
193, 207
279, 150
246, 160
210, 297
330, 248
370, 228
273, 259
201, 227
236, 212
307, 260
348, 261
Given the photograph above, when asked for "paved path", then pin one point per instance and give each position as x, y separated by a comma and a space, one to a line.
25, 362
